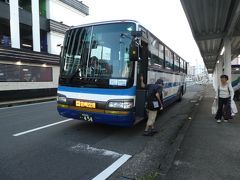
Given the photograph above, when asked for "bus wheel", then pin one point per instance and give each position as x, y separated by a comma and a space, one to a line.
179, 95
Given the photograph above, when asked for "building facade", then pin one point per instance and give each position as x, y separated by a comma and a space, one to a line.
31, 35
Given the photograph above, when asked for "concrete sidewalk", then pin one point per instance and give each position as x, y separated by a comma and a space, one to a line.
209, 150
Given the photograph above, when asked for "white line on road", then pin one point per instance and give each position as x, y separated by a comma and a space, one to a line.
112, 168
42, 127
25, 105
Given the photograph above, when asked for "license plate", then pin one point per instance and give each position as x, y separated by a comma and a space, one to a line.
86, 104
86, 117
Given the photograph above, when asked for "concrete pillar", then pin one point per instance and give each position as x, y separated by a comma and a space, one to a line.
36, 25
49, 9
227, 58
49, 42
49, 16
215, 83
14, 24
217, 73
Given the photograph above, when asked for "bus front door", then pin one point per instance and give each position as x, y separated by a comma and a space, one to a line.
141, 93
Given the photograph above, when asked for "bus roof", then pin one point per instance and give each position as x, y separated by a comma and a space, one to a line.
105, 22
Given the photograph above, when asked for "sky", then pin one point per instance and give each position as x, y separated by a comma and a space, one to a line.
164, 18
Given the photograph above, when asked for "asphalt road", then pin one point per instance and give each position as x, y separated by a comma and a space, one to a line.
68, 150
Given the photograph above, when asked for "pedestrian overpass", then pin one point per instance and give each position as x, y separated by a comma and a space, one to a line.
215, 26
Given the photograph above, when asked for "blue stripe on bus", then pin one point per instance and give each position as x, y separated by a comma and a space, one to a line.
169, 97
130, 91
168, 85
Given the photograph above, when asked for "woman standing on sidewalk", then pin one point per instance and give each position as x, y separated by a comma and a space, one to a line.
224, 94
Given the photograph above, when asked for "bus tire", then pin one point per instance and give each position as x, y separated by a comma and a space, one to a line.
180, 94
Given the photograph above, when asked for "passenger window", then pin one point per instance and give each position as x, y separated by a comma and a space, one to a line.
176, 63
155, 57
168, 59
182, 65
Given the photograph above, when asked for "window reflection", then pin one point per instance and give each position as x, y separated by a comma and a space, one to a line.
100, 51
168, 59
24, 73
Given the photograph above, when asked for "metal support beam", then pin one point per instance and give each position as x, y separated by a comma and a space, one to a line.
234, 19
203, 37
213, 53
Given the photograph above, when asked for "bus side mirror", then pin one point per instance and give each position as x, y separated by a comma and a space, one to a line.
134, 52
135, 47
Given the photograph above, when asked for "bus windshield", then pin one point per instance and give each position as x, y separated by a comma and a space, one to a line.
100, 51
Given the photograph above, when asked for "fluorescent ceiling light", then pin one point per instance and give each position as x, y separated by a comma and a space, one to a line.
26, 45
222, 51
19, 63
44, 65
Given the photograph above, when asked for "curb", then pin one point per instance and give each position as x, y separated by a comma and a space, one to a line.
168, 160
27, 101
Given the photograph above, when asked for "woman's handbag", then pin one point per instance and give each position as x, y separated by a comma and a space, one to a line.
214, 107
234, 107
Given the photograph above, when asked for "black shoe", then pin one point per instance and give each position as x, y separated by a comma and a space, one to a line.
147, 133
154, 131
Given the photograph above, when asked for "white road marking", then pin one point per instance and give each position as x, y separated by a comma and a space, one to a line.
112, 168
25, 105
92, 150
42, 127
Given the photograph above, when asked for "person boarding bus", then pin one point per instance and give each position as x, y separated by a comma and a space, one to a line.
154, 103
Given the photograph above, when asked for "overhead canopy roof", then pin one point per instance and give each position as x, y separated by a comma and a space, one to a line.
211, 21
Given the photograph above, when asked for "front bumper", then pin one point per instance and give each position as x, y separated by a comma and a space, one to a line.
116, 118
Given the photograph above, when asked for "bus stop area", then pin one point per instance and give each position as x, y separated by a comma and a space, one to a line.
209, 150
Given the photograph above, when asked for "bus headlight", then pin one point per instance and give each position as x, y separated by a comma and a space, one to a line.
118, 104
61, 98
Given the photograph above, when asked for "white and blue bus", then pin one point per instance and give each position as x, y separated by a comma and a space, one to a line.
100, 69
